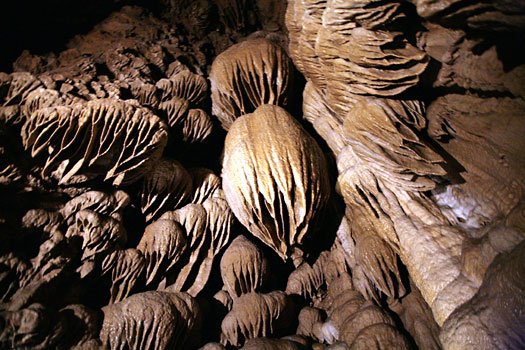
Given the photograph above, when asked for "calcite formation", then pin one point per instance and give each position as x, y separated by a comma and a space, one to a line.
274, 178
243, 267
168, 185
108, 136
444, 224
255, 315
282, 174
248, 75
150, 320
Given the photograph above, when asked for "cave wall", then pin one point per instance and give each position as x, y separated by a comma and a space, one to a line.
262, 174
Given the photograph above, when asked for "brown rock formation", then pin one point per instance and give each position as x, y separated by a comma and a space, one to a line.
390, 216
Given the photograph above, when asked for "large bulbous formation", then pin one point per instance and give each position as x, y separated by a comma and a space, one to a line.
150, 320
248, 75
243, 267
255, 315
274, 178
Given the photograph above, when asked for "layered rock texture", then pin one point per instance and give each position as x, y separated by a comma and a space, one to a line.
302, 175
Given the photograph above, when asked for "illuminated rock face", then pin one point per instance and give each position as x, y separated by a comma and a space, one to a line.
248, 75
436, 183
274, 178
165, 183
107, 136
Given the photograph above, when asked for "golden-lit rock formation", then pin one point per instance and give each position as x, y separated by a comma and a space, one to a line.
274, 178
111, 137
267, 174
408, 176
248, 75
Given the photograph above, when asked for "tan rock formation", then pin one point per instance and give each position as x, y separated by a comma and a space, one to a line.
150, 320
113, 217
248, 75
167, 186
243, 267
108, 137
386, 198
256, 315
283, 186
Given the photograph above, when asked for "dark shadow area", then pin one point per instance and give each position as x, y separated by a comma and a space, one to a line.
46, 26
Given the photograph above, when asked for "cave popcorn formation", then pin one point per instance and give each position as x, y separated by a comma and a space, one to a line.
329, 174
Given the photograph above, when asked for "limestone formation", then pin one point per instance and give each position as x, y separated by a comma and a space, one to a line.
162, 245
308, 318
493, 317
380, 336
197, 126
107, 137
42, 98
417, 319
243, 267
208, 229
267, 174
205, 184
248, 75
166, 187
38, 327
506, 16
99, 234
150, 320
386, 200
307, 280
126, 267
272, 344
366, 316
254, 315
345, 48
16, 89
274, 178
111, 204
181, 95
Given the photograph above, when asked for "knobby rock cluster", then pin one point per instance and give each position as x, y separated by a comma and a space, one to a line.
298, 175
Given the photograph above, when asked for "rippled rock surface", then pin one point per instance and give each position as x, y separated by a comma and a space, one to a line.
301, 175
